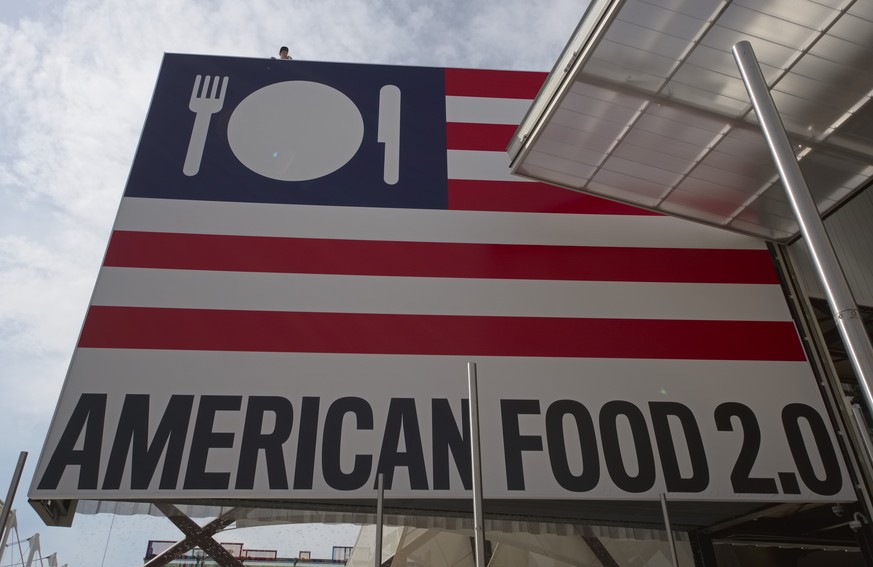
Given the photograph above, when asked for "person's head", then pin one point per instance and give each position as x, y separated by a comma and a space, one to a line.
283, 52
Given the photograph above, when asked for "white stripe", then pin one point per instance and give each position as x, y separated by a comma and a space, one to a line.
480, 110
470, 164
191, 289
419, 225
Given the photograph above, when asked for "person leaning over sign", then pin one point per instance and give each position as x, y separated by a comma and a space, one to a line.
283, 53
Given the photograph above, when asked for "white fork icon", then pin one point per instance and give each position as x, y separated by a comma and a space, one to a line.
203, 104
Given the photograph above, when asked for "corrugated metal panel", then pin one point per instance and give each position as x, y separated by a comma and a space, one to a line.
851, 232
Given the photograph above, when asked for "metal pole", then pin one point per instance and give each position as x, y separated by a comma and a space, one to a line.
380, 497
669, 530
11, 523
13, 488
858, 414
840, 299
478, 531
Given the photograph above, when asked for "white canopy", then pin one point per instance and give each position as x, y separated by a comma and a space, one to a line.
646, 106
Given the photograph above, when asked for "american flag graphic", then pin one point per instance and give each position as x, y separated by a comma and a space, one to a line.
508, 268
348, 288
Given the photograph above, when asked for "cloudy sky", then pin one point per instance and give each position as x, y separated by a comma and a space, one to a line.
76, 78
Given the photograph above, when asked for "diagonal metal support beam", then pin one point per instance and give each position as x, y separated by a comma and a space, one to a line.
196, 536
600, 552
833, 280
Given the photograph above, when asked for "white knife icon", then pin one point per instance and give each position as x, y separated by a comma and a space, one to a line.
389, 131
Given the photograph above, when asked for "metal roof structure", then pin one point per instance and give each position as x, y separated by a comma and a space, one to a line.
646, 106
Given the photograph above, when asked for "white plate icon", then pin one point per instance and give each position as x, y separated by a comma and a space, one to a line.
295, 130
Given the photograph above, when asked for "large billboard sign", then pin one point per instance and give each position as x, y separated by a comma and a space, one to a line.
306, 257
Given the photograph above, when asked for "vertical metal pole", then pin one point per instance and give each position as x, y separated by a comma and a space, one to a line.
858, 414
840, 299
380, 497
669, 530
13, 488
478, 531
11, 523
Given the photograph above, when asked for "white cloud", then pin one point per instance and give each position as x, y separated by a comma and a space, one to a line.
76, 81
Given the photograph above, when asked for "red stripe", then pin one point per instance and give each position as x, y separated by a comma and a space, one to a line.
268, 331
436, 259
496, 84
530, 197
484, 137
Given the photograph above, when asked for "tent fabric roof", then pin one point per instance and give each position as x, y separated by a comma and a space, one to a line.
646, 106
